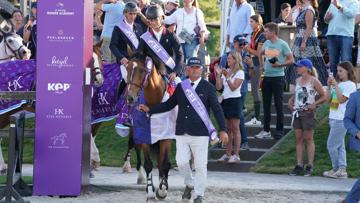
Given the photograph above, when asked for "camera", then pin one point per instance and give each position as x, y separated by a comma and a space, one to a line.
273, 60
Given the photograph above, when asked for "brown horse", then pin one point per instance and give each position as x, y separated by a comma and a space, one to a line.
154, 87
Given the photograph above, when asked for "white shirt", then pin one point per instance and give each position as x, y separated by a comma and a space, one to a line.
337, 110
239, 20
196, 82
188, 22
228, 93
130, 25
158, 34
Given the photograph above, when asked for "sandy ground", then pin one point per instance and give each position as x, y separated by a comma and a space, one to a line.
213, 195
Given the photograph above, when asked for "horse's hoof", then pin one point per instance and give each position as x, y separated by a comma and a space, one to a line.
3, 171
127, 167
141, 181
161, 194
95, 165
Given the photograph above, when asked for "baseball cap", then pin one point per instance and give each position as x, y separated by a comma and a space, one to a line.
304, 62
194, 61
176, 2
240, 39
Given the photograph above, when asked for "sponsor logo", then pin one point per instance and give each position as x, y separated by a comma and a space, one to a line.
60, 36
58, 113
58, 88
58, 62
60, 10
102, 98
59, 141
14, 85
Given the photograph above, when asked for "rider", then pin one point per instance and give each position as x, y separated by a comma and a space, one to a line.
166, 52
125, 35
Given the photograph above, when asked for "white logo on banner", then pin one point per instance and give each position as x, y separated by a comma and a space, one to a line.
60, 11
58, 113
60, 62
58, 88
14, 85
102, 98
60, 37
58, 141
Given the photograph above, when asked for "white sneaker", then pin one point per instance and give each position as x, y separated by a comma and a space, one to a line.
224, 158
253, 122
341, 174
263, 135
234, 159
329, 174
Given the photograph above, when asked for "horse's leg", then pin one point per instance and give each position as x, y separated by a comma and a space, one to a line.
94, 151
127, 165
164, 167
141, 180
150, 189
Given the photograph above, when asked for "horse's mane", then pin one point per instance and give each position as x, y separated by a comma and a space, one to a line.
138, 56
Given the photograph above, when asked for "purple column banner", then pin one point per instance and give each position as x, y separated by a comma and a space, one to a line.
63, 40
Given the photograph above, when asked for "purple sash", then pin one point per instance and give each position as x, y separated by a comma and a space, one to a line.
104, 100
129, 33
18, 75
158, 49
199, 107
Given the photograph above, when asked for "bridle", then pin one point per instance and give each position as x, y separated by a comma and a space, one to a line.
14, 53
143, 82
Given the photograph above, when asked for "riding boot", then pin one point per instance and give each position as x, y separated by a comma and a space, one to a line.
257, 105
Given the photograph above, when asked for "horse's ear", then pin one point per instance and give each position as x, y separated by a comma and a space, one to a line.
129, 51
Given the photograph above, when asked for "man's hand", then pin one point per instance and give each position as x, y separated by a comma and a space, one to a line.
224, 137
358, 135
172, 76
124, 61
143, 108
249, 61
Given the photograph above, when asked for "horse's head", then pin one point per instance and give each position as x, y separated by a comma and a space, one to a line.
136, 78
12, 47
99, 79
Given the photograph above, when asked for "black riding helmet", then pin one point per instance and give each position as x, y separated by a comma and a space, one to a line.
131, 7
154, 11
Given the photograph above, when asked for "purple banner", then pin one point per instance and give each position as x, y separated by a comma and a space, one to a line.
105, 98
64, 47
18, 75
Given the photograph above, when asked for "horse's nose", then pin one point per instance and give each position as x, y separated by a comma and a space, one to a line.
130, 99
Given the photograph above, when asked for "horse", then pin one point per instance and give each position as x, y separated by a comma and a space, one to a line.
154, 87
11, 45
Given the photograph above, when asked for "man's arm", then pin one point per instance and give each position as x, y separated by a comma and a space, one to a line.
99, 5
216, 109
349, 118
179, 56
350, 11
115, 40
168, 105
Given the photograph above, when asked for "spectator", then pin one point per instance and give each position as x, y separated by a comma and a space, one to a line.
239, 23
306, 44
30, 31
284, 16
18, 21
352, 125
114, 14
192, 135
295, 10
303, 104
231, 80
338, 94
340, 35
254, 49
190, 27
98, 24
239, 46
141, 19
277, 56
170, 7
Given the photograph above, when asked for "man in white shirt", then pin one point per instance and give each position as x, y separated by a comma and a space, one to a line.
239, 21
